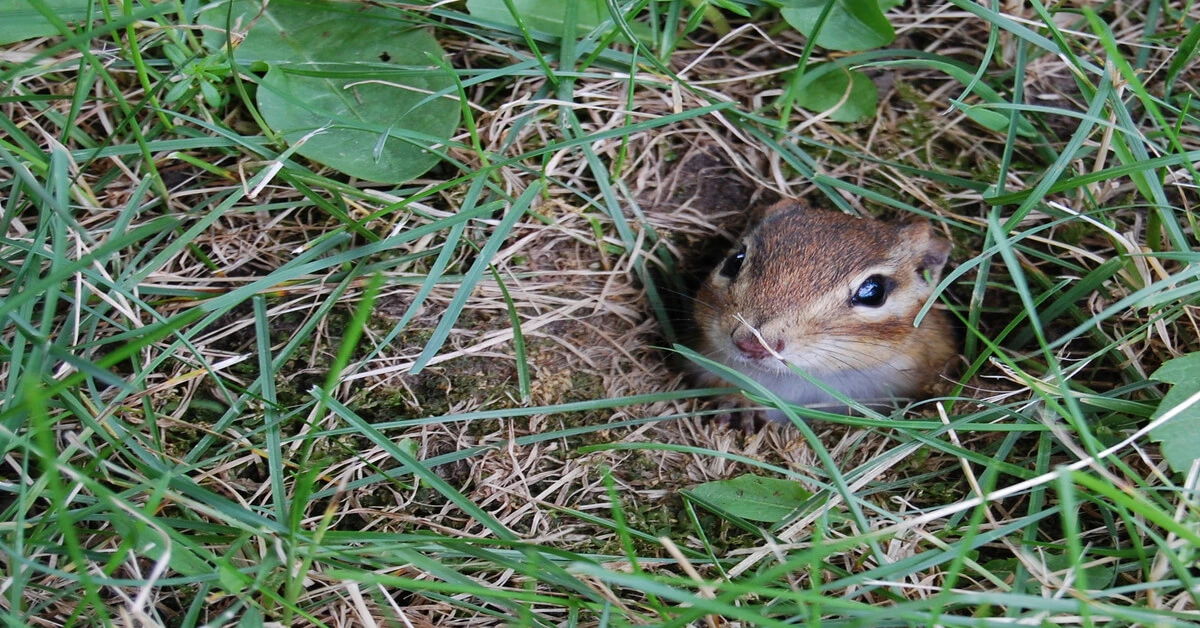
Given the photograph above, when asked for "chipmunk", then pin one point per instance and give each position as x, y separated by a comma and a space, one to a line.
835, 296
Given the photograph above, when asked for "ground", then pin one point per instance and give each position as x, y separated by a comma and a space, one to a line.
290, 448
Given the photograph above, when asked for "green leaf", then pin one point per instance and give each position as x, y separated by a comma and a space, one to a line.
19, 20
251, 618
231, 579
991, 119
149, 543
1177, 437
1007, 568
850, 25
753, 497
823, 87
549, 16
361, 76
1183, 55
412, 448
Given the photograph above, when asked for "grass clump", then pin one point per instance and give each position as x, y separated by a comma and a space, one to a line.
240, 387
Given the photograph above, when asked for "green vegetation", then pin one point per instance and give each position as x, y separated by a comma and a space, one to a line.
413, 371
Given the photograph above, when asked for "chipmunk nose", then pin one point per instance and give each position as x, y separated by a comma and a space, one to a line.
753, 349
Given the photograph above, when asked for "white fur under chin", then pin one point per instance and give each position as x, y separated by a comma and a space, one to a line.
877, 387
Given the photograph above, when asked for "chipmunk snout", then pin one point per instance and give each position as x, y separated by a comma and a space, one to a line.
750, 347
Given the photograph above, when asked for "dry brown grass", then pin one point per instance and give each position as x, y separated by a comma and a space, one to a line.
585, 318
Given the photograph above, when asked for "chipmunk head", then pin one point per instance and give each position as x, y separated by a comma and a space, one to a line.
829, 293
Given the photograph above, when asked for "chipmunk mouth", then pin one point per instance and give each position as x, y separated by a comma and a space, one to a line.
767, 363
781, 365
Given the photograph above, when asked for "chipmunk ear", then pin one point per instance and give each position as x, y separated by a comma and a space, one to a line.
930, 251
758, 214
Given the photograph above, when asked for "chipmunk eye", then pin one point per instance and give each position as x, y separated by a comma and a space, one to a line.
872, 292
733, 265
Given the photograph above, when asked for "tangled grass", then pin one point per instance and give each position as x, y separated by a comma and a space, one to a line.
220, 405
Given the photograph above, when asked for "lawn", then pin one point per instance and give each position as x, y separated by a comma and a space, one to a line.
261, 368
